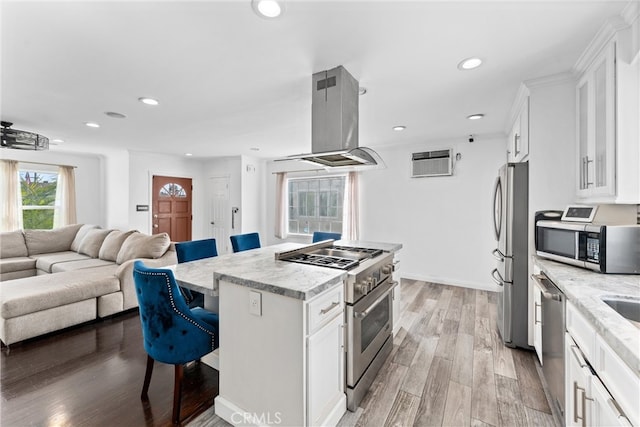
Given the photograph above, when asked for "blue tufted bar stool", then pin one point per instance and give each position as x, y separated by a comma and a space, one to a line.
191, 251
319, 236
244, 242
172, 332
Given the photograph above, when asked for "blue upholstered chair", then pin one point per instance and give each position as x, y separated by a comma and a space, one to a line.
191, 251
244, 242
319, 236
172, 332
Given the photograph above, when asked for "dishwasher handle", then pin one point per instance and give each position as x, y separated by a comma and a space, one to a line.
548, 292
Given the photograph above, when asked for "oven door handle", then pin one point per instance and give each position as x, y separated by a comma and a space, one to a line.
365, 313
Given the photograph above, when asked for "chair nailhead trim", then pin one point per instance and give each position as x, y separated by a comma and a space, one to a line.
173, 305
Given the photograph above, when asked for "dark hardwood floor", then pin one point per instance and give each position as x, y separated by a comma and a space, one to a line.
92, 376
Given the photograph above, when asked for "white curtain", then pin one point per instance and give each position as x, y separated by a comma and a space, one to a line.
281, 205
351, 210
11, 196
65, 212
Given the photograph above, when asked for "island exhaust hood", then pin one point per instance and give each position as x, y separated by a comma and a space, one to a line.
334, 122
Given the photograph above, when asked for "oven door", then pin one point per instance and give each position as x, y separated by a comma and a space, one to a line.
369, 324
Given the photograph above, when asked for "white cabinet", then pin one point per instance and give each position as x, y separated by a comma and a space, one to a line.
607, 123
518, 143
537, 321
588, 403
595, 100
325, 370
284, 365
600, 389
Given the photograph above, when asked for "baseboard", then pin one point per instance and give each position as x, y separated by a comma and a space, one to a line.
230, 412
452, 282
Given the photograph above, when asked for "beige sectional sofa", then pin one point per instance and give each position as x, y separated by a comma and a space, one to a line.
53, 279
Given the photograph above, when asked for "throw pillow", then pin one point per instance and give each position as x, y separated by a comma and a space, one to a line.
12, 245
75, 245
92, 242
112, 244
47, 241
140, 245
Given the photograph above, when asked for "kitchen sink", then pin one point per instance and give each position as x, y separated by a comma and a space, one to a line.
629, 308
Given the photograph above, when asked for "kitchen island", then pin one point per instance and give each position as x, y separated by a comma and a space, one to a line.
282, 334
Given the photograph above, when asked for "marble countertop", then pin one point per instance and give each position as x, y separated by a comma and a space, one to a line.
584, 289
258, 269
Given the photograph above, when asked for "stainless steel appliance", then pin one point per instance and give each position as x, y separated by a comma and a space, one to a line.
601, 247
553, 328
369, 307
510, 223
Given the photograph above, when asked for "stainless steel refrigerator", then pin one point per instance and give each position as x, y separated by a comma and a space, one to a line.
510, 222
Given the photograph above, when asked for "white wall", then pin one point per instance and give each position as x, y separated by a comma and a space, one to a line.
90, 198
253, 198
444, 223
142, 168
115, 187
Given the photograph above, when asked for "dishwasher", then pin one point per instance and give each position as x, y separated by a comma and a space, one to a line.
553, 328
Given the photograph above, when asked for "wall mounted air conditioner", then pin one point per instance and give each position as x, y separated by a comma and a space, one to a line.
432, 163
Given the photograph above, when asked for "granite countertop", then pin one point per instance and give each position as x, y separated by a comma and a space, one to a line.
584, 288
258, 269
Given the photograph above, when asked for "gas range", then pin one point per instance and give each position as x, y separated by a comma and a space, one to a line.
340, 257
366, 267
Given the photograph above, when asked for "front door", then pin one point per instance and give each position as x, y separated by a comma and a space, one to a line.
172, 207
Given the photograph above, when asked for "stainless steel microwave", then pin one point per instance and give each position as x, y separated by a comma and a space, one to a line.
603, 248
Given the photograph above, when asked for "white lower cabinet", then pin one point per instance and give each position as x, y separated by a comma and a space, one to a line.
325, 370
600, 390
284, 363
537, 321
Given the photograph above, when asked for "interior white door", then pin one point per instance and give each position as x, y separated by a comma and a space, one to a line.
220, 213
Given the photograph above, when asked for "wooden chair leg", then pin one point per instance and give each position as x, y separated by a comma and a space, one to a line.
177, 393
147, 378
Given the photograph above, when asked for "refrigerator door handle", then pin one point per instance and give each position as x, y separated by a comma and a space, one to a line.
498, 255
495, 275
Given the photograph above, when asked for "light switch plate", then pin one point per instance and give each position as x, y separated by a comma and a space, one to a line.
255, 303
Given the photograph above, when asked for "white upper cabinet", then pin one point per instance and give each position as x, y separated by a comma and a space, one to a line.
595, 100
518, 143
608, 117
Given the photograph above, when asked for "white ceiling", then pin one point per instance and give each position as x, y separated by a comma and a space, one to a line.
228, 80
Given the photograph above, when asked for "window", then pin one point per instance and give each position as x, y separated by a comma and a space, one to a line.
38, 189
315, 204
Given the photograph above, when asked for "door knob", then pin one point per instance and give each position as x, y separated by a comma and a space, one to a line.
155, 225
155, 216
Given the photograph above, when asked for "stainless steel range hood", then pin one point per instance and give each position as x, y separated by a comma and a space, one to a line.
334, 122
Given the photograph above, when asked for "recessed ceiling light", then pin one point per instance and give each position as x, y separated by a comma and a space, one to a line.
475, 116
254, 149
267, 8
399, 128
115, 115
148, 101
92, 124
362, 90
469, 63
188, 154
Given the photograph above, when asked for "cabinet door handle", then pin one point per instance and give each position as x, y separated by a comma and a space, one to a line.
615, 408
584, 407
535, 313
576, 387
578, 358
586, 163
329, 308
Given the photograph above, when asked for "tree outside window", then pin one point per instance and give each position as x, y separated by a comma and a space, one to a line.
38, 198
315, 204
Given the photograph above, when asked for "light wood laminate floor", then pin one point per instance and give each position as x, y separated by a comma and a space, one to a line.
448, 367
